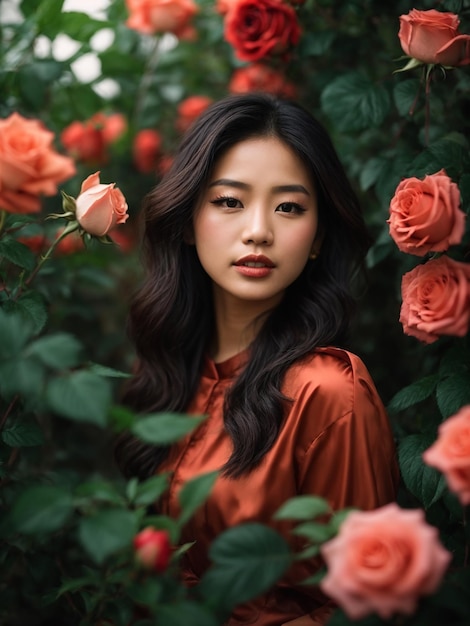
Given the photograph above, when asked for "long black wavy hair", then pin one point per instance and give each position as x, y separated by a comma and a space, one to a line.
171, 317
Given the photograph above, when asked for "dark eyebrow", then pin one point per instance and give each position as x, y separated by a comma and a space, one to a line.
227, 182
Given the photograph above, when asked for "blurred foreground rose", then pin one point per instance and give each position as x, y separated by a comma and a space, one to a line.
425, 215
146, 150
436, 299
29, 164
260, 77
161, 16
152, 549
100, 207
451, 453
68, 245
260, 28
432, 37
190, 109
382, 561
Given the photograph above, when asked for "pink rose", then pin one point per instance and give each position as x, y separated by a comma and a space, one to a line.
382, 561
161, 16
425, 215
29, 165
451, 453
432, 37
153, 549
436, 299
100, 207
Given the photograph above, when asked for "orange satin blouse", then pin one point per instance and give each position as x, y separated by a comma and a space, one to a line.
335, 442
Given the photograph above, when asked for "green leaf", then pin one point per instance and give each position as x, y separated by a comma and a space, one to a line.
14, 333
164, 428
57, 351
194, 493
354, 103
372, 170
17, 253
22, 434
107, 533
316, 44
405, 95
40, 509
452, 393
424, 482
106, 372
21, 376
31, 307
80, 396
317, 533
150, 490
99, 491
184, 613
303, 508
247, 560
413, 394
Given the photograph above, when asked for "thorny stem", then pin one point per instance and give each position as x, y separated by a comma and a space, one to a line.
144, 85
73, 226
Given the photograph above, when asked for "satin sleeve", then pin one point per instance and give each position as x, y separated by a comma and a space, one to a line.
351, 462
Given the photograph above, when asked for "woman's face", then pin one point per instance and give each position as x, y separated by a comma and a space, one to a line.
256, 222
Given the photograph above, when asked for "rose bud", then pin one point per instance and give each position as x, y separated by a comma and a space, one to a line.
100, 207
152, 549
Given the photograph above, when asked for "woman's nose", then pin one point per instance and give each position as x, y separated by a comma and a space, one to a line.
258, 227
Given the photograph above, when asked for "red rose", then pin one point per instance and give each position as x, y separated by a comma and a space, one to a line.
146, 149
259, 77
451, 453
153, 549
436, 299
190, 109
432, 37
425, 215
85, 142
260, 28
29, 165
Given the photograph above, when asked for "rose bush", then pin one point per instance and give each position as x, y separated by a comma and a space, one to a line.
432, 37
152, 549
425, 215
382, 561
29, 164
100, 207
451, 453
161, 16
260, 28
436, 299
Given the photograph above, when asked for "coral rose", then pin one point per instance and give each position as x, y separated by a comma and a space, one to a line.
259, 77
152, 549
29, 165
146, 150
112, 126
100, 207
85, 142
382, 561
260, 28
190, 109
451, 453
436, 299
161, 16
432, 37
425, 215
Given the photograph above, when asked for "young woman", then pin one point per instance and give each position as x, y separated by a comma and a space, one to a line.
251, 242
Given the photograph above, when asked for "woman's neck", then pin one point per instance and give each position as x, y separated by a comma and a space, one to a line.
236, 325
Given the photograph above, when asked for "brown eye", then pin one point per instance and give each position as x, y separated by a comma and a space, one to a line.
290, 207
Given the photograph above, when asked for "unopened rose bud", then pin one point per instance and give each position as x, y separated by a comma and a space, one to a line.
152, 549
100, 207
